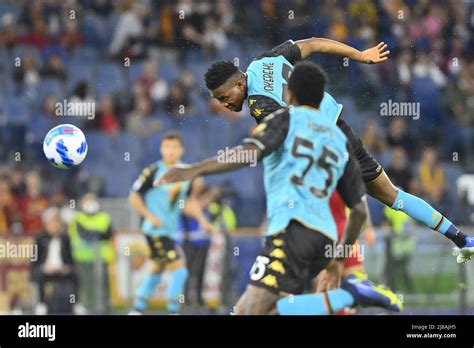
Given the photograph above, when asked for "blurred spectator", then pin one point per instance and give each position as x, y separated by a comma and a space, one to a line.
424, 67
197, 239
272, 19
107, 119
365, 28
398, 170
81, 96
399, 248
187, 80
32, 204
54, 68
456, 60
192, 29
404, 72
200, 224
398, 136
71, 38
43, 121
223, 217
372, 138
364, 10
38, 36
9, 34
91, 239
150, 83
165, 30
226, 16
7, 206
431, 175
140, 122
27, 73
17, 183
179, 99
430, 25
220, 212
59, 201
338, 29
82, 93
54, 268
214, 36
102, 8
130, 30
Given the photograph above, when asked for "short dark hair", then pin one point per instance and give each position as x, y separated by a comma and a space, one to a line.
307, 82
219, 73
173, 136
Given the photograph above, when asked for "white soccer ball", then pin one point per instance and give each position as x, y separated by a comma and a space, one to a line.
65, 146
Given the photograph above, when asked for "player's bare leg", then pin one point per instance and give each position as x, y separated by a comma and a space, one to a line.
156, 267
382, 189
256, 301
173, 266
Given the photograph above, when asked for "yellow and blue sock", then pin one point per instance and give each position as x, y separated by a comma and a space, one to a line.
176, 288
145, 290
421, 211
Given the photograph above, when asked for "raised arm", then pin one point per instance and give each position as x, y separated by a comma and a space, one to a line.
213, 165
372, 55
263, 140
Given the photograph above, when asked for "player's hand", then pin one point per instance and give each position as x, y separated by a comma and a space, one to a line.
154, 220
375, 54
182, 172
369, 236
330, 277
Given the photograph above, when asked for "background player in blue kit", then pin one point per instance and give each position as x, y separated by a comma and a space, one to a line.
305, 157
263, 85
161, 208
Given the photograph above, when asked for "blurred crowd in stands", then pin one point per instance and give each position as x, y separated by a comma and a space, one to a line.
142, 63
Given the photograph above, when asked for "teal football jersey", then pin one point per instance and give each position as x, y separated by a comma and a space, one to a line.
267, 77
164, 201
302, 171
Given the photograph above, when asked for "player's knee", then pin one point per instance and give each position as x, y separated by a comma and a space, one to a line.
175, 265
155, 267
383, 190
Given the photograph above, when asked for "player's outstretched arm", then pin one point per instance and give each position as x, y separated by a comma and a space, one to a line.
213, 165
263, 140
372, 55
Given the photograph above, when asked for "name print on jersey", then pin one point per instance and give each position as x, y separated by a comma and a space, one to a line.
267, 71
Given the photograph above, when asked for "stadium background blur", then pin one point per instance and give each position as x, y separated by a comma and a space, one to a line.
142, 64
